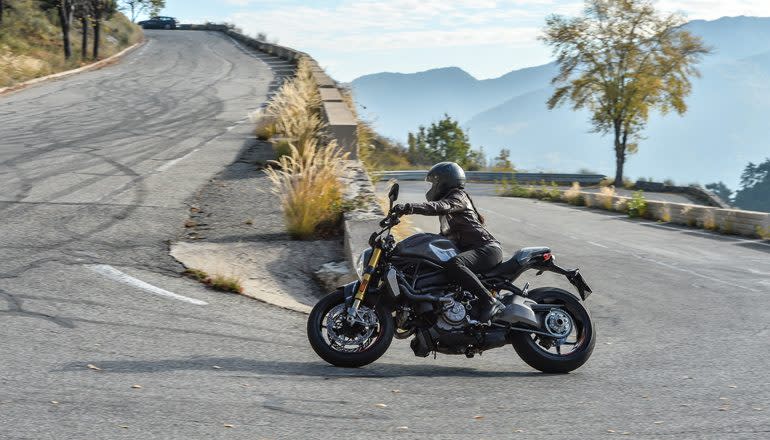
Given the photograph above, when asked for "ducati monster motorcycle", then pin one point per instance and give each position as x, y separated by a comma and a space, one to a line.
403, 291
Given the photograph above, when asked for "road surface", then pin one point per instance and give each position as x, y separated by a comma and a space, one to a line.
100, 338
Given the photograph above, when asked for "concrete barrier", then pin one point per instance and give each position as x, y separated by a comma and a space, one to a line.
728, 221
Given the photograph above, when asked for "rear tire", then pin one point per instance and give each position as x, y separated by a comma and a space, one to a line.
322, 345
540, 359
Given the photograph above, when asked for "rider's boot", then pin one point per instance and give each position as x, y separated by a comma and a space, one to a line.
489, 306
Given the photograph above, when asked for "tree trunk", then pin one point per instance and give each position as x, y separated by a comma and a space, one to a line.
1, 12
97, 32
620, 155
84, 41
65, 15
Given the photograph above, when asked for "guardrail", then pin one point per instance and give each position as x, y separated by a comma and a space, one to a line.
495, 176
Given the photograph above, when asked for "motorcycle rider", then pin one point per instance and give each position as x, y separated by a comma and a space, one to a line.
461, 223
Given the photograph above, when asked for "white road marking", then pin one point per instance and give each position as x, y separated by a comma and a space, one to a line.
597, 244
692, 272
171, 163
116, 275
501, 215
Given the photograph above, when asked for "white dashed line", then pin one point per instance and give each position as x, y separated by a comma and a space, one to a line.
116, 275
173, 162
501, 215
597, 244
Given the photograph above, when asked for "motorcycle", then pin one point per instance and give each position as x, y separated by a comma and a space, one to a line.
403, 291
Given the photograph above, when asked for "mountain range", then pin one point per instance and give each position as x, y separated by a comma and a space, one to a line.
727, 124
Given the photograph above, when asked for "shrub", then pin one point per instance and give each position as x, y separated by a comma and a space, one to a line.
606, 197
708, 221
628, 183
622, 206
306, 182
296, 108
637, 206
666, 214
573, 196
669, 182
282, 147
763, 233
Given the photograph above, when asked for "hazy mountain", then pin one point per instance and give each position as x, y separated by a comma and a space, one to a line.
725, 128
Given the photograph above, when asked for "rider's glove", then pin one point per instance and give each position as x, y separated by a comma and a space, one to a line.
403, 209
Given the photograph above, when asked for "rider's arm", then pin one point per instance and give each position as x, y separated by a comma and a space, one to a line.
451, 203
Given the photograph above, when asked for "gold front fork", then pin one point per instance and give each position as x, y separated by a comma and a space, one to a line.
373, 261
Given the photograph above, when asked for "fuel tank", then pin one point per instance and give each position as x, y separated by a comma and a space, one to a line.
433, 247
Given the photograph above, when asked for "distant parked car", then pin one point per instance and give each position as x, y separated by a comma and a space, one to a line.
159, 23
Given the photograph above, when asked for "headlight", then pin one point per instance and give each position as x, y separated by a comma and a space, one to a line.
361, 263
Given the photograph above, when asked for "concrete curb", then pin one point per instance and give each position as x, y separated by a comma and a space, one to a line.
96, 65
204, 256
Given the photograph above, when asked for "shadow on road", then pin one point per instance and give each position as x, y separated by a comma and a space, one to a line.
291, 368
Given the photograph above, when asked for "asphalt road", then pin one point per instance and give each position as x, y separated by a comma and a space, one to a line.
95, 170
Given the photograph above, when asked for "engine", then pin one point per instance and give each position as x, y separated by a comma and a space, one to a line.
452, 317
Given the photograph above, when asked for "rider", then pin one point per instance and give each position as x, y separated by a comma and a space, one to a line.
461, 223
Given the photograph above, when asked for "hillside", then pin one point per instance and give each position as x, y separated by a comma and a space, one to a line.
31, 41
724, 129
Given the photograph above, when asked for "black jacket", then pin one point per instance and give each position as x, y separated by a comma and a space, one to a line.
459, 219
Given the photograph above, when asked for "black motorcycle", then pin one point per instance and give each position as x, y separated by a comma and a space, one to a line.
403, 291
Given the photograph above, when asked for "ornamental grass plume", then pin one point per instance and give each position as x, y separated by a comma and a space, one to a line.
307, 184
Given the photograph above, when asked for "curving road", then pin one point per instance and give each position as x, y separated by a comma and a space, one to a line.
95, 170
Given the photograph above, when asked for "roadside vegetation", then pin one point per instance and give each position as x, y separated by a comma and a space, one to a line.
754, 192
223, 283
305, 174
41, 37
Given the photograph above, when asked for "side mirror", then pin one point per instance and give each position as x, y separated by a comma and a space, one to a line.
393, 193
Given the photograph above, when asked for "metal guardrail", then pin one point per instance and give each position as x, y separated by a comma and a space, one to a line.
496, 176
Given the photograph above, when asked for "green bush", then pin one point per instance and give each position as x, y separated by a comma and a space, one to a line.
637, 206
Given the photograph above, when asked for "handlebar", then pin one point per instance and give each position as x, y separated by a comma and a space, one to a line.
390, 220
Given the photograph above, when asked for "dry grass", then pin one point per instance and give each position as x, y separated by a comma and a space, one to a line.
763, 233
295, 109
224, 283
573, 196
606, 197
306, 182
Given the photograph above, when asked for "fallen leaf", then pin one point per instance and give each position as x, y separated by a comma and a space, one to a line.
608, 343
136, 386
658, 422
380, 405
733, 386
54, 402
227, 425
124, 426
518, 430
216, 367
395, 391
756, 408
478, 417
625, 433
724, 408
401, 428
610, 430
93, 367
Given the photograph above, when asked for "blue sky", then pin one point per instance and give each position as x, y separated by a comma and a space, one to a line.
486, 38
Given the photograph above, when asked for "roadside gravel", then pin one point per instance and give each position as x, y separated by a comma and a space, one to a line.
236, 228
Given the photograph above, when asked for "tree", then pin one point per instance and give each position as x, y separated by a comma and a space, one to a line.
620, 60
444, 140
83, 13
503, 162
66, 10
755, 187
139, 7
721, 190
1, 12
100, 10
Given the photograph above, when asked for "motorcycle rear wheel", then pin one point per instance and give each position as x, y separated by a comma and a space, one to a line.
529, 346
325, 329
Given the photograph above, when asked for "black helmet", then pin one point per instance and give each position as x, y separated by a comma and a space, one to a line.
443, 177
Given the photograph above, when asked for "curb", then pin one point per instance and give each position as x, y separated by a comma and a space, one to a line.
96, 65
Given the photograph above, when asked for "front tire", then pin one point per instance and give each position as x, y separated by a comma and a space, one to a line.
325, 331
532, 348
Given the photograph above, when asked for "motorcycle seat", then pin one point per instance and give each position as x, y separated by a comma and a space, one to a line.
520, 259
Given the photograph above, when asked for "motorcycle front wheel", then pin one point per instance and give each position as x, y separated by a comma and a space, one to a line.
571, 320
342, 344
